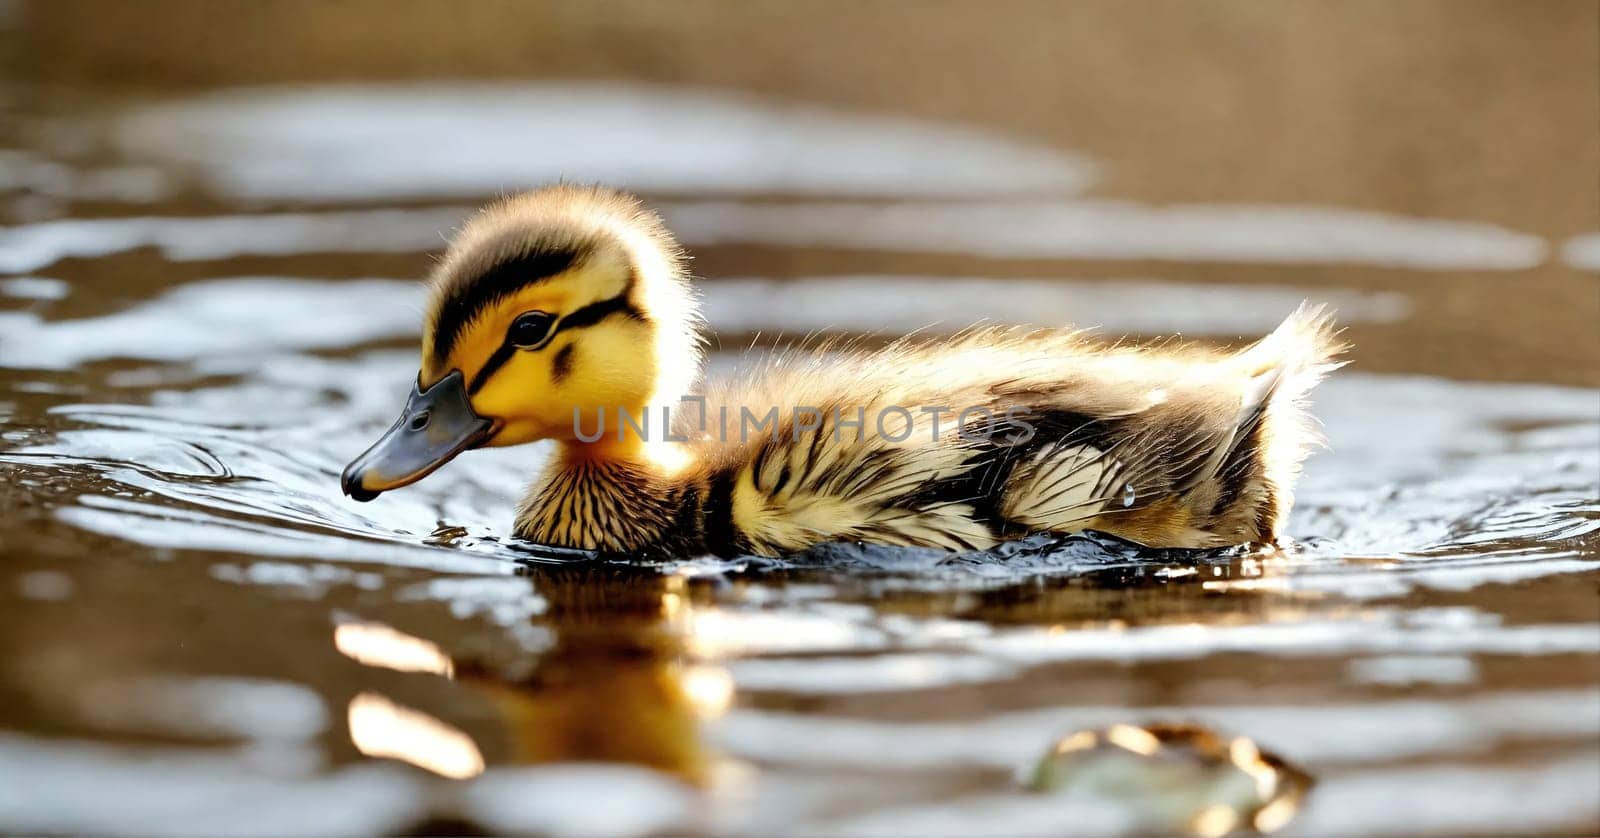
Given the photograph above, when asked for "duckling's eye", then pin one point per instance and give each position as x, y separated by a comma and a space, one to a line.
529, 329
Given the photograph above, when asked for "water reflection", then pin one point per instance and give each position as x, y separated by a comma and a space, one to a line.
619, 682
1083, 229
219, 319
381, 728
1582, 252
30, 247
644, 666
848, 305
317, 141
375, 644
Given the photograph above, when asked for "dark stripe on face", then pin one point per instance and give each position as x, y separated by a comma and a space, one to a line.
595, 312
583, 318
495, 362
464, 301
561, 366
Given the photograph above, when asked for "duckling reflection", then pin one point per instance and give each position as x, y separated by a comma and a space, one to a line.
619, 685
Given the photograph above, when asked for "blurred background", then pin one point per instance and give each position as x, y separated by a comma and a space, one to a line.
213, 220
1434, 163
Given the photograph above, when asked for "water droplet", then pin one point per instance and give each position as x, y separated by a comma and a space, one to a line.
1128, 495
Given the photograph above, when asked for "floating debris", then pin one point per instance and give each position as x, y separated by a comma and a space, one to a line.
1176, 778
445, 535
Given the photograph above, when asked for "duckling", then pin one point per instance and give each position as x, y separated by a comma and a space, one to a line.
567, 314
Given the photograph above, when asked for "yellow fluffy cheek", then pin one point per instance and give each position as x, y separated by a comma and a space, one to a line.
605, 373
611, 366
520, 398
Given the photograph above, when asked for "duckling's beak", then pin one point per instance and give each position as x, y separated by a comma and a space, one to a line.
437, 424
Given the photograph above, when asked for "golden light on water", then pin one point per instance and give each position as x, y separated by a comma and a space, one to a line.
1276, 815
380, 728
1135, 739
1269, 584
672, 606
1080, 741
708, 633
709, 690
375, 644
713, 634
1215, 820
1244, 754
708, 636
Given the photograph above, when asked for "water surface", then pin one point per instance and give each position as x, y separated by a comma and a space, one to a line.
209, 306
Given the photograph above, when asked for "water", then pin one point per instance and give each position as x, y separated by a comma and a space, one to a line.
209, 307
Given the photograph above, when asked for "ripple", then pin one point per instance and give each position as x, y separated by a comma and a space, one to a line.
471, 139
29, 247
1582, 252
1117, 230
1322, 734
185, 791
221, 318
847, 304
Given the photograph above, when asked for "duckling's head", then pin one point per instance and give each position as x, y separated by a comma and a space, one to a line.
548, 309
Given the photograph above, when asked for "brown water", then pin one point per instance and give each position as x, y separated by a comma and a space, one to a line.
208, 306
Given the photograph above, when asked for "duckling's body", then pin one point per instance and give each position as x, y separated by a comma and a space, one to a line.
957, 444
